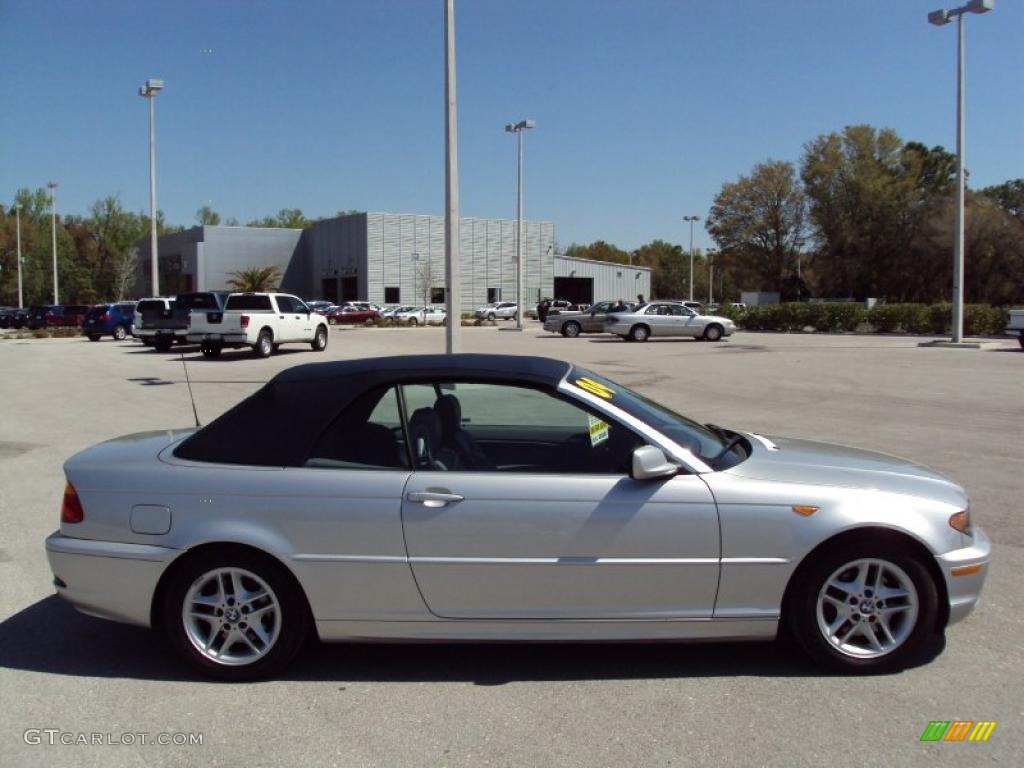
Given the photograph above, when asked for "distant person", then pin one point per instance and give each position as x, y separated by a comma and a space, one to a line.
640, 298
542, 310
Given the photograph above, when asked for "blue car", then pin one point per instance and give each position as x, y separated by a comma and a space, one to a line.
109, 320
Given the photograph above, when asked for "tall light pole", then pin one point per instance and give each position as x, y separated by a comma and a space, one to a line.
452, 262
53, 231
711, 277
518, 129
940, 18
691, 219
17, 219
149, 91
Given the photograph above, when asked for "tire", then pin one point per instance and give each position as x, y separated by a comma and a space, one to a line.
490, 316
413, 321
213, 351
571, 330
713, 332
146, 341
264, 346
94, 337
1020, 340
209, 582
319, 343
850, 575
120, 333
639, 333
162, 344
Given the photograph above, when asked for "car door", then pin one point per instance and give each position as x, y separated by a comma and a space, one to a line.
593, 320
688, 322
548, 523
304, 319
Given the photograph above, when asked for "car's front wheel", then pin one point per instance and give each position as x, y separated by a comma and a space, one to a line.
571, 329
714, 332
94, 337
490, 316
234, 616
864, 608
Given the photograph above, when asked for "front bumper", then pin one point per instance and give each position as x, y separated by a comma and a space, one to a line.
972, 563
112, 580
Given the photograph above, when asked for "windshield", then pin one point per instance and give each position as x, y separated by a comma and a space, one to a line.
700, 440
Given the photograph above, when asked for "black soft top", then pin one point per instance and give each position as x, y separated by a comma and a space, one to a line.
277, 425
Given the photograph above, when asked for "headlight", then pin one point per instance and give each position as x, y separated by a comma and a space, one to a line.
961, 521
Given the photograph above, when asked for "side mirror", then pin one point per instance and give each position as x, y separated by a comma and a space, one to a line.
649, 463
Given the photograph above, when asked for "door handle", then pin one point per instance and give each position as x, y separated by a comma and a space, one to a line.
432, 498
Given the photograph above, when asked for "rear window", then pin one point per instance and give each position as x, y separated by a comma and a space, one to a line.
142, 306
97, 311
196, 301
251, 302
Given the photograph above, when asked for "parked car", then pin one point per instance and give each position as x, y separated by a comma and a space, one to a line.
261, 321
666, 318
492, 497
424, 316
1015, 325
147, 312
20, 318
37, 315
349, 315
390, 313
319, 306
498, 310
114, 319
7, 316
171, 326
572, 324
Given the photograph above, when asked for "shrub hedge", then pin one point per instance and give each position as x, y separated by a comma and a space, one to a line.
979, 319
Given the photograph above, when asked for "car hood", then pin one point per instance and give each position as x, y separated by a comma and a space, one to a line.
791, 460
716, 318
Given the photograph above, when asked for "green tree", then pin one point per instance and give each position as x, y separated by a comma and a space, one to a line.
1009, 196
207, 216
759, 221
598, 250
256, 279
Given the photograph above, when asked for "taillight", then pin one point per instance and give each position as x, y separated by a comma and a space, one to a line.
104, 316
71, 509
188, 322
244, 320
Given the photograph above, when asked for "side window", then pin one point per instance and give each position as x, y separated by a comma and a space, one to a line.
366, 435
652, 309
284, 304
298, 305
474, 427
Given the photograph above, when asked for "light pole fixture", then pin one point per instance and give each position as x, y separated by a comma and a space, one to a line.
149, 91
691, 219
452, 260
17, 219
940, 18
518, 129
53, 231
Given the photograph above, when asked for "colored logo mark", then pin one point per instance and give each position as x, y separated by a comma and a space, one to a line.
595, 388
958, 730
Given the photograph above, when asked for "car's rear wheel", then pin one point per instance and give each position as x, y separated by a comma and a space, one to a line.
264, 346
413, 321
234, 615
211, 351
864, 607
639, 333
163, 344
714, 332
319, 343
94, 337
571, 329
120, 332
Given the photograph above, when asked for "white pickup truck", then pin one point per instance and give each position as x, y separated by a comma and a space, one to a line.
262, 321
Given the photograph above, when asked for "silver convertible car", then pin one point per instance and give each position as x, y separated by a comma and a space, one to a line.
667, 318
490, 497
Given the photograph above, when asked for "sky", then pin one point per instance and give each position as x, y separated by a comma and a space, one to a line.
644, 108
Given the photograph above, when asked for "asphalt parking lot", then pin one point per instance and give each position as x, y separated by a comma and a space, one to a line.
959, 411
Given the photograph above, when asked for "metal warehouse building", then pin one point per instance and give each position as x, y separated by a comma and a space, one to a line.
389, 258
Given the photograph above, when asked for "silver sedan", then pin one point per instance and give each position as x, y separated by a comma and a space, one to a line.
668, 318
489, 497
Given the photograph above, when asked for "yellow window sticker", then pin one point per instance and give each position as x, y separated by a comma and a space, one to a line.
598, 430
595, 388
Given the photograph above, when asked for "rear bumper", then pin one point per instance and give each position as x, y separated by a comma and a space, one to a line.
111, 580
972, 563
224, 339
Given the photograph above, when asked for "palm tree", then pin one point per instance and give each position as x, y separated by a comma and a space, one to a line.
255, 279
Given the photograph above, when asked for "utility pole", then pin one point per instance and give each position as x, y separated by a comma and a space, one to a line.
452, 262
53, 231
